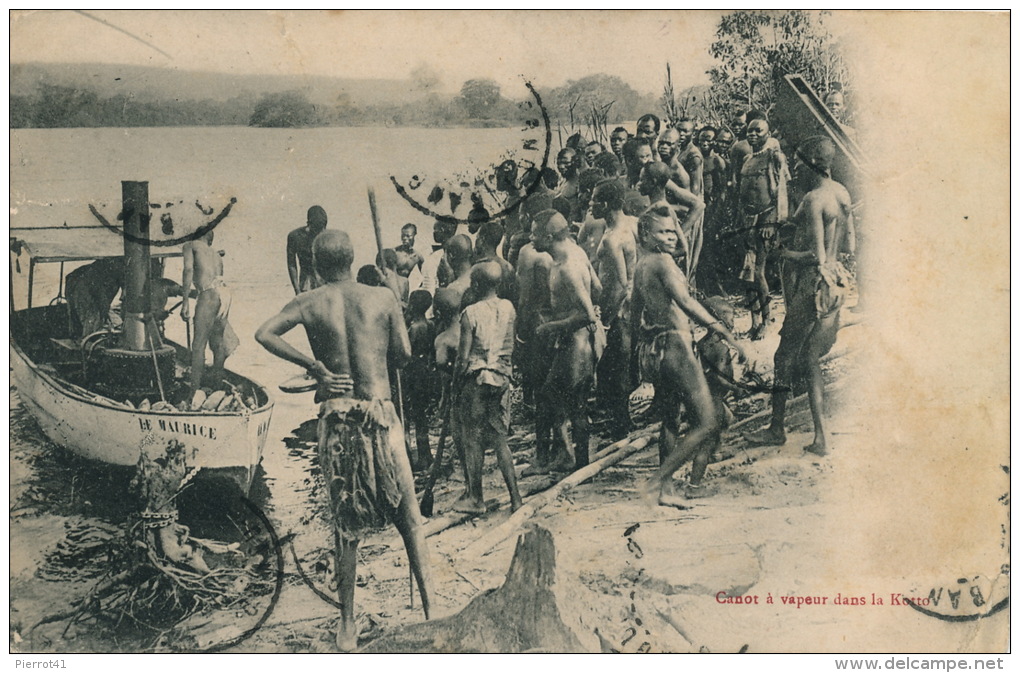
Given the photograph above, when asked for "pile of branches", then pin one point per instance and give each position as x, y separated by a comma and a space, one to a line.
156, 574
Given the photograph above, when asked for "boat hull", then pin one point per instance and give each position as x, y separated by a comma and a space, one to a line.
228, 443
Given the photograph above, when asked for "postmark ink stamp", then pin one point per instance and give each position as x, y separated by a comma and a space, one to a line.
483, 188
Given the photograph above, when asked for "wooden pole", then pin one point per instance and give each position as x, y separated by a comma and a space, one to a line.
375, 221
400, 393
379, 248
427, 504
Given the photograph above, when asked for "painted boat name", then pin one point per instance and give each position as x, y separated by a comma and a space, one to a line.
178, 427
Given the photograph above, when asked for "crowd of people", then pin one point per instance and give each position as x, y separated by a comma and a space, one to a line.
592, 282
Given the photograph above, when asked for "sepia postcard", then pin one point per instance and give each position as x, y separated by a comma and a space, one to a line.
510, 331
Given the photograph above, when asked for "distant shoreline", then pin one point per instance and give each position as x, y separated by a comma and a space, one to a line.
475, 124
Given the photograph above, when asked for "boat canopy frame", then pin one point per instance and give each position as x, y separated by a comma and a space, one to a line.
61, 244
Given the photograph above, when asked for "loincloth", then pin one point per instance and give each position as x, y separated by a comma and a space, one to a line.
360, 443
813, 301
561, 348
651, 350
219, 291
760, 239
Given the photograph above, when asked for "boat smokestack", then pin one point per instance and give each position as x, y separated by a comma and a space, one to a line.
135, 213
138, 366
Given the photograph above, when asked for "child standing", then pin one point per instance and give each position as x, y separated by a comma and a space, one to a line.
482, 378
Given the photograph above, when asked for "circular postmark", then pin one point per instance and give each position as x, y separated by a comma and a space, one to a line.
486, 187
167, 225
276, 550
965, 599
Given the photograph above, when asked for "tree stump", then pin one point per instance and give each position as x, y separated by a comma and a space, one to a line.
536, 609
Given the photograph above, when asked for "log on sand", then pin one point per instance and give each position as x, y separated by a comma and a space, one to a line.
439, 523
538, 608
484, 544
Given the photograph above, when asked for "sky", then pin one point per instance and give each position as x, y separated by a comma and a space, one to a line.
547, 48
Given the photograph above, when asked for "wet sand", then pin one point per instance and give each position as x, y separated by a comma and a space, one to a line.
649, 576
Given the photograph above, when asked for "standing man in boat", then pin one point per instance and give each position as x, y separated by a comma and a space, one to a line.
356, 332
203, 266
299, 251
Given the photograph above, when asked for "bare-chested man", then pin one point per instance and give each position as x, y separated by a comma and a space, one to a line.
716, 176
407, 257
740, 149
714, 173
568, 164
648, 126
616, 140
668, 150
490, 235
203, 266
356, 332
592, 227
836, 104
387, 265
654, 183
690, 156
591, 151
614, 263
299, 251
661, 311
435, 271
637, 152
533, 303
815, 285
459, 254
762, 203
572, 341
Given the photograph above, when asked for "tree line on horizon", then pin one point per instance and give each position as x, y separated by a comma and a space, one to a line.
480, 102
753, 51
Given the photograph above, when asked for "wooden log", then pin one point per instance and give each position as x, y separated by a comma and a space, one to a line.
438, 524
484, 544
648, 431
538, 608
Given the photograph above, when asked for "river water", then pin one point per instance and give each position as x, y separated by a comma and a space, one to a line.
275, 174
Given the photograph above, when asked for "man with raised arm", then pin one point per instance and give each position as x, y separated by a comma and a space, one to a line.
356, 332
661, 311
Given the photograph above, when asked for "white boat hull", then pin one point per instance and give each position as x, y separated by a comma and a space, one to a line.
96, 428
